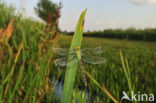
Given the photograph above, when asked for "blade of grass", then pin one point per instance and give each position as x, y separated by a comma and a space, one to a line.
126, 71
71, 69
17, 82
15, 61
7, 32
103, 88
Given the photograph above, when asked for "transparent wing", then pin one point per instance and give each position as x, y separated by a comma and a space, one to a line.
93, 59
61, 51
63, 61
88, 51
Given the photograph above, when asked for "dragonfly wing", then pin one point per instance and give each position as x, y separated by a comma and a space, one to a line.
64, 61
60, 62
61, 51
93, 59
97, 50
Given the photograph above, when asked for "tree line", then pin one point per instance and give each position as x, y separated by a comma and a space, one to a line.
148, 34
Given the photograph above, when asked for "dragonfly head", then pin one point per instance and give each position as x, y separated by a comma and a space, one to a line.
78, 52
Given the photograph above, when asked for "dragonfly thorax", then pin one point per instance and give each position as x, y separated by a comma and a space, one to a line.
78, 52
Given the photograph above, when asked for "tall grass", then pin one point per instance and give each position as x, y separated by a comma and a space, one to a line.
25, 66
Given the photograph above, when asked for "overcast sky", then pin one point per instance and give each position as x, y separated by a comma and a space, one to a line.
101, 14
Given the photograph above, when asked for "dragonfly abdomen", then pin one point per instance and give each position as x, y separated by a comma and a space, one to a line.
83, 73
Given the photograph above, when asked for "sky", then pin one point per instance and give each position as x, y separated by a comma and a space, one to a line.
101, 14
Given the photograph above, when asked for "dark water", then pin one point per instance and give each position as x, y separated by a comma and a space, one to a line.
58, 92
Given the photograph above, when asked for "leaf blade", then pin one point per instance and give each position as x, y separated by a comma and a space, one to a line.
71, 73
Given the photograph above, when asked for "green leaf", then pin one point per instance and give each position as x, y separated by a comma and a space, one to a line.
71, 69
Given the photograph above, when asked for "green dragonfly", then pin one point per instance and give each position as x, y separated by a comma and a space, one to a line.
86, 55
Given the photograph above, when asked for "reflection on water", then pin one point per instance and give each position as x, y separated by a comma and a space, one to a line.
58, 91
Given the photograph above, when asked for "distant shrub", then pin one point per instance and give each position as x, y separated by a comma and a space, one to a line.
49, 12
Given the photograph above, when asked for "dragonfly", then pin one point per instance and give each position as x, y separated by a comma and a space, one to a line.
87, 55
